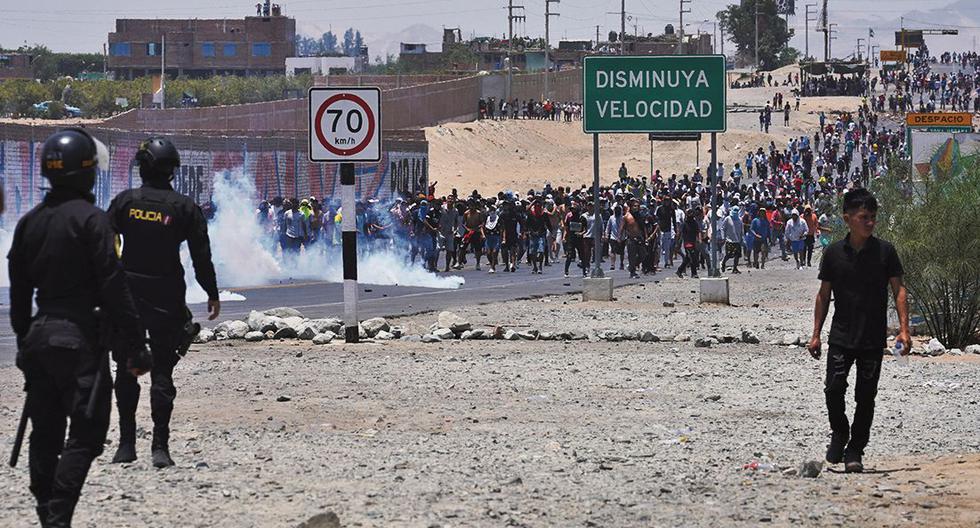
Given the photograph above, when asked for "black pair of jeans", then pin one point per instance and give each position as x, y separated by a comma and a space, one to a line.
839, 361
62, 366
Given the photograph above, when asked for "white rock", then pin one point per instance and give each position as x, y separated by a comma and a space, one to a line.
935, 348
206, 336
375, 325
324, 338
237, 329
789, 339
323, 326
679, 338
444, 333
453, 322
510, 335
384, 336
260, 322
970, 349
306, 332
294, 322
429, 338
254, 336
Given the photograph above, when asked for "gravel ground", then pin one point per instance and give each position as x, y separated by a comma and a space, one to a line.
501, 433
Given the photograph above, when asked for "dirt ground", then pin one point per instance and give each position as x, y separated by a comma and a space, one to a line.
533, 433
492, 155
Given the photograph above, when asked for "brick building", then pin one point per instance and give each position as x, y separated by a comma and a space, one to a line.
15, 66
254, 45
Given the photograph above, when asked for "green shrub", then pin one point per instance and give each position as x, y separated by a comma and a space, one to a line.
933, 224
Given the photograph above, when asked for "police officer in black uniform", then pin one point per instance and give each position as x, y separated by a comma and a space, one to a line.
64, 252
153, 221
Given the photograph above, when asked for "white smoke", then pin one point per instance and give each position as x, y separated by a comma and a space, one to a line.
6, 239
245, 254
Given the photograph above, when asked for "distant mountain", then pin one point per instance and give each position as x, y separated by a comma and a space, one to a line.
963, 15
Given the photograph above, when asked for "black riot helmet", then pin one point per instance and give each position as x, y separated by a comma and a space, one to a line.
157, 158
70, 157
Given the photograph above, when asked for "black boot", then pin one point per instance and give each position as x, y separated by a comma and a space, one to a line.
125, 453
160, 451
42, 514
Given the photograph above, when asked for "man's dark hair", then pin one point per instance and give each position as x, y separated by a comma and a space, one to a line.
859, 198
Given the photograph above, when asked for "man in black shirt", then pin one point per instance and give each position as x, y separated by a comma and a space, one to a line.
858, 271
63, 257
154, 220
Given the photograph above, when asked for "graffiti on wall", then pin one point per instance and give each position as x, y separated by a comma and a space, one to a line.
285, 173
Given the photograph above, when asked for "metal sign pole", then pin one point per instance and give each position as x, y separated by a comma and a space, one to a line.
349, 226
597, 215
715, 180
651, 160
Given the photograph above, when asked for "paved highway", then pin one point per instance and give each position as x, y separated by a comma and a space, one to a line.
323, 299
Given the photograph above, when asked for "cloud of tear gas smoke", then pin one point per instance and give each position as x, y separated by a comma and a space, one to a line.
245, 254
6, 239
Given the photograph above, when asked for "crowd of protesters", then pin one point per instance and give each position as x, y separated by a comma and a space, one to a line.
547, 110
775, 202
773, 205
920, 89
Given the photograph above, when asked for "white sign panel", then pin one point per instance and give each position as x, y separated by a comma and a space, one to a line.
345, 124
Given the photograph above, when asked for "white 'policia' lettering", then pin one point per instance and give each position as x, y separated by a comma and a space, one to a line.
647, 79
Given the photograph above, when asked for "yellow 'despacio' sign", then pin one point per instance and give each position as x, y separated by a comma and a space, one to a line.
893, 55
959, 119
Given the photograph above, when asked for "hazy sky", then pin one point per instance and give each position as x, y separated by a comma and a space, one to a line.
81, 26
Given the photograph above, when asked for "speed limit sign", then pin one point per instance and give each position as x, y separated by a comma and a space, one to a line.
345, 124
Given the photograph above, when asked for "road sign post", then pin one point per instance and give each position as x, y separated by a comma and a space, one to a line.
679, 94
345, 128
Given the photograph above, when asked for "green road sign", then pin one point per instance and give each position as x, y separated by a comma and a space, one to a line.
674, 93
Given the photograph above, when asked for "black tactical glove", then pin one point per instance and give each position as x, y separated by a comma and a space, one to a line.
140, 359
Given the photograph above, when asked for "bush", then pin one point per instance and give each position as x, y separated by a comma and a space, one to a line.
933, 226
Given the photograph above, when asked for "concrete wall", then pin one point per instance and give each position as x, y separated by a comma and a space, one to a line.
420, 105
277, 163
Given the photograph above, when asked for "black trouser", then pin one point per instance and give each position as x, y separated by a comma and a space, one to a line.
634, 245
809, 249
572, 247
733, 250
163, 344
839, 361
691, 256
60, 364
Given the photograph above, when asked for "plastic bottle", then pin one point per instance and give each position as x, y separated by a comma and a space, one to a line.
900, 359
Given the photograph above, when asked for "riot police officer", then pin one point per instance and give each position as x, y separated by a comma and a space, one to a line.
63, 251
153, 221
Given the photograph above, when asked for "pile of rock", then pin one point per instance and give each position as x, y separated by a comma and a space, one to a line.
289, 323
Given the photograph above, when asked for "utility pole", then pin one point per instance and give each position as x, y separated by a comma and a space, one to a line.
597, 37
757, 35
833, 37
511, 17
806, 31
622, 31
680, 41
721, 38
825, 27
547, 44
859, 48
